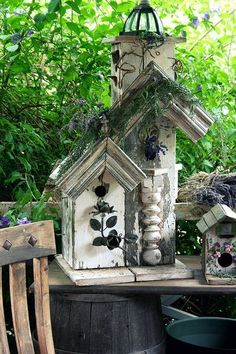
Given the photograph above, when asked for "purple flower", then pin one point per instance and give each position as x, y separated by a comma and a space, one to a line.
16, 38
29, 33
206, 16
81, 102
199, 88
195, 22
19, 12
4, 220
23, 221
217, 11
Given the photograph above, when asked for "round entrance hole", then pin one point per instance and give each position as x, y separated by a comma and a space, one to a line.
100, 191
225, 260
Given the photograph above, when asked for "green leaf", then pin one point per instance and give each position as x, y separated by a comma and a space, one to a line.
232, 134
74, 27
74, 6
12, 48
20, 67
4, 36
100, 241
39, 18
70, 73
40, 21
111, 221
95, 224
15, 176
53, 6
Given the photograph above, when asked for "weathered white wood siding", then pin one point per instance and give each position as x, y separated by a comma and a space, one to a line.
132, 56
67, 228
85, 255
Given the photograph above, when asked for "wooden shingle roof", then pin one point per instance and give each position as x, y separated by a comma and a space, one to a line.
218, 213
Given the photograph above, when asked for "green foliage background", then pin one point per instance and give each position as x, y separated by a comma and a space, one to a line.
51, 55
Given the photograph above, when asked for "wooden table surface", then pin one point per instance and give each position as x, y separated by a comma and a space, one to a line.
59, 282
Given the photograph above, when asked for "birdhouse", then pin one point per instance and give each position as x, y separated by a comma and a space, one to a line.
93, 205
219, 245
134, 171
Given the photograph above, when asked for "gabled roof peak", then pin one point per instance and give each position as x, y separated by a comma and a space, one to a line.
218, 213
105, 155
183, 109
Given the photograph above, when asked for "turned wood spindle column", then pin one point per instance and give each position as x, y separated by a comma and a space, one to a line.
152, 211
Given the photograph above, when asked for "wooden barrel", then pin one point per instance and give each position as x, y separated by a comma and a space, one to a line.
107, 324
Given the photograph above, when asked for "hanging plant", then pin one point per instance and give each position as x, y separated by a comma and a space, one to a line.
152, 149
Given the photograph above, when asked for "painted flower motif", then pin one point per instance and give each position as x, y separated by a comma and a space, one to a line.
217, 254
113, 241
4, 221
228, 247
217, 246
195, 22
23, 221
210, 258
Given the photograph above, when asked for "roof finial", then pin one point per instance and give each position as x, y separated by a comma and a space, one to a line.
145, 3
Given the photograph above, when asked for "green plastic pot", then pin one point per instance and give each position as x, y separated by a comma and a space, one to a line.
211, 335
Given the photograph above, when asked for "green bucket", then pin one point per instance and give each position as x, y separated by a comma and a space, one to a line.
200, 335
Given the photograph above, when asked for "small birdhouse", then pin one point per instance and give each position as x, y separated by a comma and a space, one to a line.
219, 244
93, 206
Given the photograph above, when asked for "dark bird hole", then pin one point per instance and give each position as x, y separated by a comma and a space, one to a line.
100, 191
225, 260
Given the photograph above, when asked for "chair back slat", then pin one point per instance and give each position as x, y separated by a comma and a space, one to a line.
19, 306
4, 347
24, 242
42, 306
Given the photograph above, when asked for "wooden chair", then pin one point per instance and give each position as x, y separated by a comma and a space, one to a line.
18, 244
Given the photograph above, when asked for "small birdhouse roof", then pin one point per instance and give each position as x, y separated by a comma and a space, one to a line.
154, 88
105, 155
219, 213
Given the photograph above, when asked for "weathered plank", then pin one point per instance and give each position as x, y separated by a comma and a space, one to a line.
96, 276
20, 315
4, 347
190, 211
59, 282
26, 241
42, 308
162, 272
5, 206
